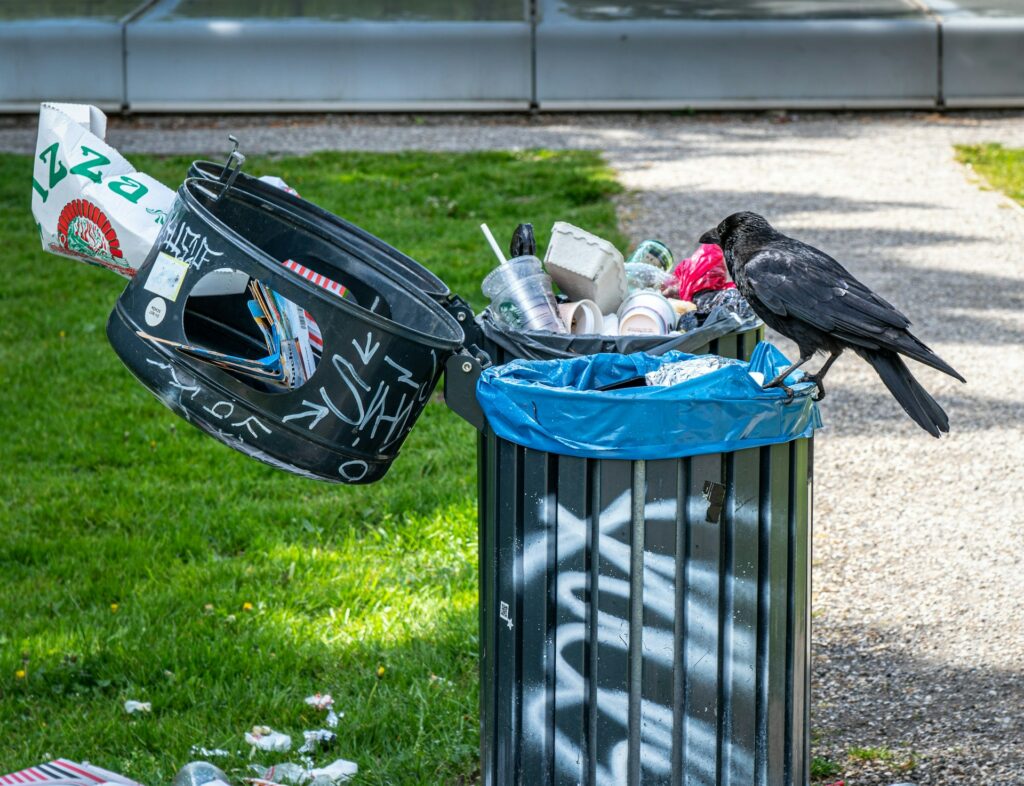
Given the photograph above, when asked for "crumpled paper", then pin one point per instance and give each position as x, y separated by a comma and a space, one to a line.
317, 739
266, 739
674, 373
338, 771
323, 701
131, 706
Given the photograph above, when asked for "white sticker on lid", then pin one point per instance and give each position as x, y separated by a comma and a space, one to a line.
155, 311
166, 276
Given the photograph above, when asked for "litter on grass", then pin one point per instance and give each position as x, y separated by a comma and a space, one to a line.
318, 740
65, 773
131, 706
291, 774
208, 753
200, 773
323, 701
266, 739
320, 701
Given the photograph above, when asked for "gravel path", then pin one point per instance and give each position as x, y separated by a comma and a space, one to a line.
918, 590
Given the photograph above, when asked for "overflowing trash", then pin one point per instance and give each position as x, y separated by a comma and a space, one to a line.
585, 287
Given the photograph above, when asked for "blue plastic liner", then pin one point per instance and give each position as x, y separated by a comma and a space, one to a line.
554, 406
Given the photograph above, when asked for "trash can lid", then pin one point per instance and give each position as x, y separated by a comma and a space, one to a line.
583, 406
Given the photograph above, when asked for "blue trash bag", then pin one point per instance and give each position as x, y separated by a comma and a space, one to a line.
556, 406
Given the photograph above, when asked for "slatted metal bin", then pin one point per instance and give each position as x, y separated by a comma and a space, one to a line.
645, 622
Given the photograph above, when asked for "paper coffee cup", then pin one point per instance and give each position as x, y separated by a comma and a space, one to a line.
582, 317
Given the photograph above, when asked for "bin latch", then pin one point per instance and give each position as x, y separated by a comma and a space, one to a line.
714, 493
461, 373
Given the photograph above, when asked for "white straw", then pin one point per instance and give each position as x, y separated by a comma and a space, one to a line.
493, 242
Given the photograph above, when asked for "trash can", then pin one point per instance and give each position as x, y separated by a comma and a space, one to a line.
644, 620
219, 360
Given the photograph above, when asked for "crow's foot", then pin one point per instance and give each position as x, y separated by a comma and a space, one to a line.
778, 383
815, 378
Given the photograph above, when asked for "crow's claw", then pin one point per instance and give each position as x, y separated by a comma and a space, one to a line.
778, 383
820, 393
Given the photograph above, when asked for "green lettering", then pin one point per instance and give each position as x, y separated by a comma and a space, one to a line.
87, 167
57, 169
130, 188
39, 189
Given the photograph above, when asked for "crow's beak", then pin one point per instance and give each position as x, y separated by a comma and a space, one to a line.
711, 237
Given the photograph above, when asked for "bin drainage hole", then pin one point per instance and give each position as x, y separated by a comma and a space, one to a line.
258, 336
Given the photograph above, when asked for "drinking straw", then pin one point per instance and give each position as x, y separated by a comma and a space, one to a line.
494, 244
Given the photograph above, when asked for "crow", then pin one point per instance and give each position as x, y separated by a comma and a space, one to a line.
807, 296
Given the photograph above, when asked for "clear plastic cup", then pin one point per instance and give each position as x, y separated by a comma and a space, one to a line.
521, 295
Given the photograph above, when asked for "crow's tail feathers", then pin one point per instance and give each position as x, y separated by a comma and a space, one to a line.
914, 399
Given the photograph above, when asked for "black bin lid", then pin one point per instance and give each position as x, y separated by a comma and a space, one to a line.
384, 344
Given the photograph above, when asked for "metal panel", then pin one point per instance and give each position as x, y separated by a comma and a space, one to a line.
983, 61
536, 613
308, 64
673, 63
69, 60
654, 637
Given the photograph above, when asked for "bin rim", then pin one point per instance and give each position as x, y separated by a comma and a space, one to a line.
429, 282
264, 260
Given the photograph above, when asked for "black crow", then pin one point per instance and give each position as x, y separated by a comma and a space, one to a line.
807, 296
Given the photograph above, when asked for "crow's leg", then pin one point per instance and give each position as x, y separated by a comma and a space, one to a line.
817, 378
779, 381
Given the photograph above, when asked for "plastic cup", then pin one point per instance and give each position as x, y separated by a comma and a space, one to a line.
521, 295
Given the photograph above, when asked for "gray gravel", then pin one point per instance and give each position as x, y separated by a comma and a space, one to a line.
918, 592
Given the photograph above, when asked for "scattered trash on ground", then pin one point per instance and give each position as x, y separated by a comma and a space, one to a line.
200, 773
208, 753
318, 740
131, 706
292, 774
266, 739
325, 702
65, 773
320, 701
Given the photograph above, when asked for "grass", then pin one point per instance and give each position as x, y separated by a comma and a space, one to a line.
1002, 167
132, 545
822, 767
871, 754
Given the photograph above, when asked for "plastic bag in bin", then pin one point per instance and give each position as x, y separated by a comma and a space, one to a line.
566, 406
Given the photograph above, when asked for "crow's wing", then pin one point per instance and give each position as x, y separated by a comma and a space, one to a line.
799, 281
796, 280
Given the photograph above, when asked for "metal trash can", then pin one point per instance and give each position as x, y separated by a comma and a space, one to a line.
644, 622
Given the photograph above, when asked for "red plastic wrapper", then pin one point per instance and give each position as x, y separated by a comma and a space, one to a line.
704, 270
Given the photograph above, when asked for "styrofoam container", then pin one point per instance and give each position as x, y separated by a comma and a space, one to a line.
586, 267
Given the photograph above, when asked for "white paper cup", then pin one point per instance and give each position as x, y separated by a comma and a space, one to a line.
582, 317
646, 313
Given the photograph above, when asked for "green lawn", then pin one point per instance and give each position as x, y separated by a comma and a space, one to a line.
132, 543
1002, 167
